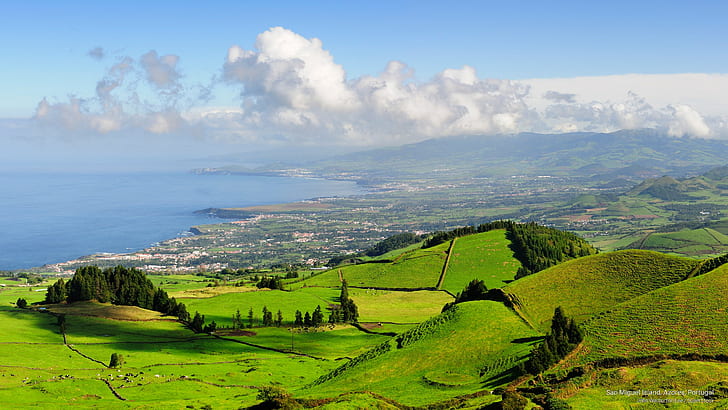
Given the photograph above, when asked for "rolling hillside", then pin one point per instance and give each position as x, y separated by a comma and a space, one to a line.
632, 305
589, 285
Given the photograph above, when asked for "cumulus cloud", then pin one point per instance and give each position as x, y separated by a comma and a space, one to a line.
292, 86
118, 105
292, 90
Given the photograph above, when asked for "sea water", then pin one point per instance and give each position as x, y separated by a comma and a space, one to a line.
53, 217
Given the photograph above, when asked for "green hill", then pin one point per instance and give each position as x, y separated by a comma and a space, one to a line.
683, 318
444, 357
419, 268
484, 256
589, 285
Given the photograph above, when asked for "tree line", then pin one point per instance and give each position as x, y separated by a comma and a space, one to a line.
389, 244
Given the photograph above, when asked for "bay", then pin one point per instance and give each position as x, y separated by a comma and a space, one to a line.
53, 217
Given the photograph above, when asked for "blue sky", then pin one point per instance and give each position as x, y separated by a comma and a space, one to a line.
46, 44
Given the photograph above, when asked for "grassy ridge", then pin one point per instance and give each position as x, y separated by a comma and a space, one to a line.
419, 268
485, 256
687, 317
593, 284
473, 350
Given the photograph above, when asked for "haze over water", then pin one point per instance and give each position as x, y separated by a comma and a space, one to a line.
54, 217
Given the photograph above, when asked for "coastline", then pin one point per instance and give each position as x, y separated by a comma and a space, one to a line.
284, 188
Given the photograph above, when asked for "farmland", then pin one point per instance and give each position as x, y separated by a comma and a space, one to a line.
632, 305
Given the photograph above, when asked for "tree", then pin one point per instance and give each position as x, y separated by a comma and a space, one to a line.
210, 328
237, 320
267, 317
250, 317
298, 322
198, 323
307, 320
56, 293
116, 361
317, 317
279, 318
563, 338
21, 303
182, 314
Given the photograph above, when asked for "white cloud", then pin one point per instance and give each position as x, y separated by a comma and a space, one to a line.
687, 121
117, 104
292, 91
161, 70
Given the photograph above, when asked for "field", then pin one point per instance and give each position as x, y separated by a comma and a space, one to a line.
418, 268
485, 256
632, 305
671, 320
441, 360
689, 379
589, 285
222, 307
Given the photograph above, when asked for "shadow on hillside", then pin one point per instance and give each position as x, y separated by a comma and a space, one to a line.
502, 378
528, 339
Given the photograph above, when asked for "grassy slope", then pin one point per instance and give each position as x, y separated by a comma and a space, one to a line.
485, 256
687, 317
586, 286
666, 375
398, 307
419, 268
472, 351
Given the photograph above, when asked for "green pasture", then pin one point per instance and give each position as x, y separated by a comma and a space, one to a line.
703, 241
687, 317
88, 329
475, 349
178, 283
420, 268
28, 326
589, 285
681, 376
10, 294
484, 256
397, 306
343, 341
221, 308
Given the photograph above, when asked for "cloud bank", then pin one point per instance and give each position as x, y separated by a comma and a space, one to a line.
292, 91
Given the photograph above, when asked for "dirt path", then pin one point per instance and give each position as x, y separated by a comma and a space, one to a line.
447, 263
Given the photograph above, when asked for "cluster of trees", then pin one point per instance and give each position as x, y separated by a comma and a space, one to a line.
346, 311
563, 338
314, 319
475, 290
270, 282
120, 286
538, 247
397, 241
198, 325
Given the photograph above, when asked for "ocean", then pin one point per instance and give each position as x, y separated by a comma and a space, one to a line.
53, 217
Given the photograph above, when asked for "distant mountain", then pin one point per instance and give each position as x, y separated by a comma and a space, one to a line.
633, 154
